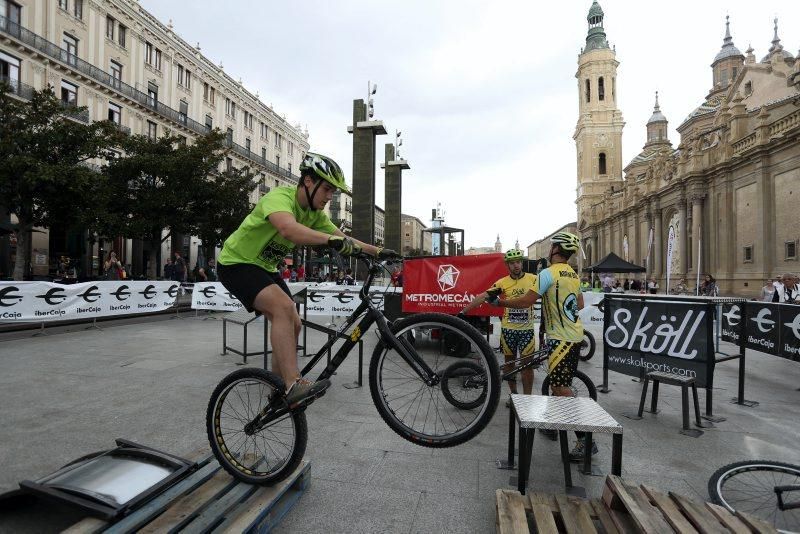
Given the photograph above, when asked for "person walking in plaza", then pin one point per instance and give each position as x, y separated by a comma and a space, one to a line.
559, 288
301, 273
248, 264
787, 291
211, 270
517, 327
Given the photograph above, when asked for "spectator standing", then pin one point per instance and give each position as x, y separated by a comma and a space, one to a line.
211, 270
168, 269
767, 291
787, 291
608, 283
301, 273
348, 279
113, 267
636, 285
285, 274
709, 287
652, 286
293, 275
179, 268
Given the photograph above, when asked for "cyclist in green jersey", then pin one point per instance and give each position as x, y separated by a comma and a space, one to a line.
559, 288
248, 264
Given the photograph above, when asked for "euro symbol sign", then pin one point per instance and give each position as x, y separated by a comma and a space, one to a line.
732, 316
7, 298
172, 291
762, 320
315, 296
91, 294
344, 298
54, 296
149, 292
208, 291
121, 293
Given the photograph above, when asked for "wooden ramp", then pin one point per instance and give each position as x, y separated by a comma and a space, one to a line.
624, 508
209, 500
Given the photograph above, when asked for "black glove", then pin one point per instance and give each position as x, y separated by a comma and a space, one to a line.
493, 296
343, 245
387, 254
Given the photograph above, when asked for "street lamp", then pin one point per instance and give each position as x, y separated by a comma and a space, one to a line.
372, 88
397, 143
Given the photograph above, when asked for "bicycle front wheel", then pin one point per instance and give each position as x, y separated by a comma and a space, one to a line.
264, 455
419, 412
749, 487
582, 386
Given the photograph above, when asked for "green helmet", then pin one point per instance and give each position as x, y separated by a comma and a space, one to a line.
514, 254
325, 168
566, 241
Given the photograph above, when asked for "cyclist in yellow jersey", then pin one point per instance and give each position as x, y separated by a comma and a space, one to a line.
559, 288
517, 328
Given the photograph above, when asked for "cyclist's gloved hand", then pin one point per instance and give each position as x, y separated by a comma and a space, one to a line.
387, 254
493, 297
343, 245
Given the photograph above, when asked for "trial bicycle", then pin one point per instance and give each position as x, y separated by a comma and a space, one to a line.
466, 385
764, 488
258, 439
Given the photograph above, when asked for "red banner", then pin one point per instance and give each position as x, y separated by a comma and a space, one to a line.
446, 284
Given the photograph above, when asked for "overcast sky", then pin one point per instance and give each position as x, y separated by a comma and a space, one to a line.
483, 92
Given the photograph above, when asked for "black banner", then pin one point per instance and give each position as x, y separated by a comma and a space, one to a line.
790, 331
660, 335
763, 327
732, 317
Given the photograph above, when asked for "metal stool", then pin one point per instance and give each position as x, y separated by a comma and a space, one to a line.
674, 380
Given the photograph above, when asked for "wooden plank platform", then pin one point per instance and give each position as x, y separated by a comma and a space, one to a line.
623, 508
209, 500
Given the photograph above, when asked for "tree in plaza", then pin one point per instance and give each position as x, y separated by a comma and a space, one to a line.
163, 183
222, 204
43, 177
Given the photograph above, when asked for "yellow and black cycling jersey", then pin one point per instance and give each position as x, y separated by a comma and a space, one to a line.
522, 318
560, 288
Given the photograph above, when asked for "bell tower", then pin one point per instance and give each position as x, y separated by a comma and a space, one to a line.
598, 134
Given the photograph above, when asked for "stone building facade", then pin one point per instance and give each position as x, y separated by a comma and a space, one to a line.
730, 187
123, 64
413, 238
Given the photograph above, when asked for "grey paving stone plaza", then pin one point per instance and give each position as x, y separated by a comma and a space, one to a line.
69, 393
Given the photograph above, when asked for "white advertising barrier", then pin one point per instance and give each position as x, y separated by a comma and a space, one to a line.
26, 302
322, 299
591, 313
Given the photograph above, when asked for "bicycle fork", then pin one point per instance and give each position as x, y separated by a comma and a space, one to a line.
407, 352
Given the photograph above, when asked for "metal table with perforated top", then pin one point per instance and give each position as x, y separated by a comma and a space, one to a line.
563, 414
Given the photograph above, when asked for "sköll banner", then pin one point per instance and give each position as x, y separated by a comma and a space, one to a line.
34, 302
658, 335
446, 284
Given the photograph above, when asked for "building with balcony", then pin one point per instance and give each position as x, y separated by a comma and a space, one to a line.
124, 65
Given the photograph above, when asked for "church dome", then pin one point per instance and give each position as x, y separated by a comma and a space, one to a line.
657, 116
728, 48
776, 47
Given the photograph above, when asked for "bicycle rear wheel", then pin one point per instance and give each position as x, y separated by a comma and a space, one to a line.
419, 412
256, 456
464, 384
749, 487
587, 346
582, 386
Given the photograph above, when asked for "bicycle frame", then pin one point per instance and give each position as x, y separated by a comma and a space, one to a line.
535, 360
782, 505
373, 316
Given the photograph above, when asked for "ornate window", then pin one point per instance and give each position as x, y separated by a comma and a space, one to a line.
602, 163
601, 89
588, 91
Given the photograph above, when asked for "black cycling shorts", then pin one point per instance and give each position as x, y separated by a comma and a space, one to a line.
246, 281
563, 361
